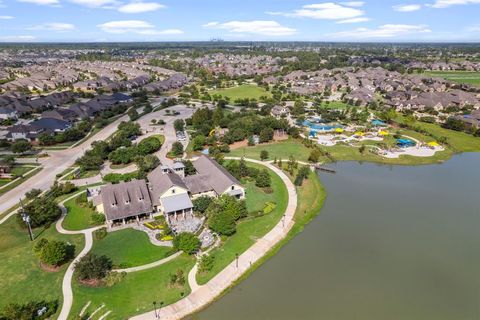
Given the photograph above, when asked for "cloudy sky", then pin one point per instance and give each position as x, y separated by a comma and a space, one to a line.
242, 20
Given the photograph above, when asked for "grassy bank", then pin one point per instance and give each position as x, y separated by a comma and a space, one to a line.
250, 228
135, 293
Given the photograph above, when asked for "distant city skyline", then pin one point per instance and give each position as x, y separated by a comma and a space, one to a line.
247, 20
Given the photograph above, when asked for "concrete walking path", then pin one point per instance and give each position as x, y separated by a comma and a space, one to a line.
150, 265
67, 278
201, 296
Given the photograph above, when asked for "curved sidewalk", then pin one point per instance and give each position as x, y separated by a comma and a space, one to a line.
203, 295
150, 265
67, 278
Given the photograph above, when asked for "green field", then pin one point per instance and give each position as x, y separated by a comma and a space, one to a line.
20, 171
78, 217
129, 248
280, 150
468, 77
334, 105
135, 293
22, 280
245, 91
249, 229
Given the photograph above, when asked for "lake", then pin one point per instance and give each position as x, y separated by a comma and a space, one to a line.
391, 242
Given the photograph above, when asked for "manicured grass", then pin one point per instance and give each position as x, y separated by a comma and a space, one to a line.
469, 77
257, 198
78, 217
129, 248
135, 293
248, 230
335, 105
280, 150
459, 141
21, 180
22, 280
245, 91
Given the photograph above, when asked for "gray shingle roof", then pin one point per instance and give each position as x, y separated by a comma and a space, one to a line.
160, 182
218, 177
126, 199
177, 202
198, 183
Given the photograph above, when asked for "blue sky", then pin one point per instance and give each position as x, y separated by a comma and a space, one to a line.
242, 20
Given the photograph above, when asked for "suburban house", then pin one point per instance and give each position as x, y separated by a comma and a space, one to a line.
8, 113
168, 192
32, 130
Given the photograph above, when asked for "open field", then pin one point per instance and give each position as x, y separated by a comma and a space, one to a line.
136, 292
468, 77
245, 91
249, 229
129, 248
280, 150
22, 278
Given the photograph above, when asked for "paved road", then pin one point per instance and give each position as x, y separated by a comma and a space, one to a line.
205, 294
58, 161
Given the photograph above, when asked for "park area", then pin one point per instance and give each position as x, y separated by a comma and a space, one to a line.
245, 91
23, 279
468, 77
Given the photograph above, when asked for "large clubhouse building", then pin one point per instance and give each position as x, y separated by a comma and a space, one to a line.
168, 191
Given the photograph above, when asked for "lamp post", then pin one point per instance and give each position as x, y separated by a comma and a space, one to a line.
161, 305
236, 260
26, 219
155, 309
283, 220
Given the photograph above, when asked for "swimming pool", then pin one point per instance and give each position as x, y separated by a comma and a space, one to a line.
320, 127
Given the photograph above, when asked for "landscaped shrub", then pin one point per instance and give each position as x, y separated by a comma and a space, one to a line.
206, 263
97, 218
92, 268
113, 278
30, 310
100, 233
177, 279
52, 253
187, 242
269, 207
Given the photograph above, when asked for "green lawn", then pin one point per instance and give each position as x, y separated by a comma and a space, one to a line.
256, 197
249, 229
242, 92
78, 217
21, 180
459, 141
129, 248
22, 280
280, 150
136, 292
334, 105
469, 77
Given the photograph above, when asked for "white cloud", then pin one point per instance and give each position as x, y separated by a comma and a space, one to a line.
17, 38
6, 17
353, 3
135, 26
384, 31
326, 11
354, 20
448, 3
41, 2
407, 7
259, 27
110, 4
54, 26
139, 7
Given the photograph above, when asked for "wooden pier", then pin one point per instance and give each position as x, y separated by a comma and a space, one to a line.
322, 168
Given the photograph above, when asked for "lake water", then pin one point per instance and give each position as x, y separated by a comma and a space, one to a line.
390, 243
